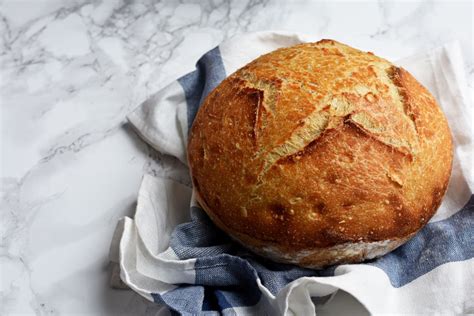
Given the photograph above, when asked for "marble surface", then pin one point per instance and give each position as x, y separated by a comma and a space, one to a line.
70, 164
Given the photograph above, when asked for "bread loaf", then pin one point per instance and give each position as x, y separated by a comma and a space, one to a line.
319, 154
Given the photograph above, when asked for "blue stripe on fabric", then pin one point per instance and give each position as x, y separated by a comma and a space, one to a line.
234, 278
211, 301
449, 240
198, 84
200, 238
184, 300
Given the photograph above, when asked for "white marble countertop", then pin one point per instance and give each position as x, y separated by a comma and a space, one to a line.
70, 164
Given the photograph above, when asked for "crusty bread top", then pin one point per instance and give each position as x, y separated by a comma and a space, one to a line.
317, 145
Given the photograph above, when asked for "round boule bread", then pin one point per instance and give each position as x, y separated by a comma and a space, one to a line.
319, 154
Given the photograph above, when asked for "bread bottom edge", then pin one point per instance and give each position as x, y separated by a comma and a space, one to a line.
312, 258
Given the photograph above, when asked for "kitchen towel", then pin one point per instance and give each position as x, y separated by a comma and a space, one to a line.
172, 254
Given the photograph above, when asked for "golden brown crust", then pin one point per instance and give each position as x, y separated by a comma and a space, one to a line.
316, 146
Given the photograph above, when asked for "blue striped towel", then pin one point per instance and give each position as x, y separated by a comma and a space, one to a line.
172, 254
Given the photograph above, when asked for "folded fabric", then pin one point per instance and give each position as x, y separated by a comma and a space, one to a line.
172, 254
